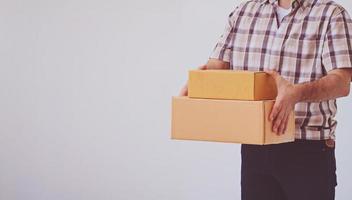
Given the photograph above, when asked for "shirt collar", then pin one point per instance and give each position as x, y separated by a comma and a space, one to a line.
300, 3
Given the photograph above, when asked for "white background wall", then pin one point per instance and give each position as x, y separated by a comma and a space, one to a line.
85, 90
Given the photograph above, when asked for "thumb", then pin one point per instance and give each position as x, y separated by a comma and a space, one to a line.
274, 74
203, 67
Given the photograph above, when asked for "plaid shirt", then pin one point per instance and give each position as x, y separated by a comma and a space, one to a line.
311, 40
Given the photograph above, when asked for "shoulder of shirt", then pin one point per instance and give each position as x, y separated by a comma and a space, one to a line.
249, 2
333, 5
246, 4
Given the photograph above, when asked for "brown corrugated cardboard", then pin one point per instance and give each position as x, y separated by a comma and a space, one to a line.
234, 121
231, 84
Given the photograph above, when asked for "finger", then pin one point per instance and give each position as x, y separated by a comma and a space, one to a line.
276, 76
203, 67
273, 73
274, 111
286, 124
278, 120
283, 124
184, 91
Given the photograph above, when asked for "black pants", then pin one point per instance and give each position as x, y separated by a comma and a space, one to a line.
301, 170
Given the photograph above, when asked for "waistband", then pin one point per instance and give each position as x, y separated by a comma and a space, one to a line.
298, 144
323, 143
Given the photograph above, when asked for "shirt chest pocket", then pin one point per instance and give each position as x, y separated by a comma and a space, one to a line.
307, 44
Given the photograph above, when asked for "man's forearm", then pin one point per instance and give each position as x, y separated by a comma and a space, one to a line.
335, 84
331, 86
217, 64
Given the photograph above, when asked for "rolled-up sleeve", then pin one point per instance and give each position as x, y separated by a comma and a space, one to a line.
337, 47
223, 48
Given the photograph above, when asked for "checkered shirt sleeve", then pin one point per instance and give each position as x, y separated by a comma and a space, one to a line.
223, 48
337, 47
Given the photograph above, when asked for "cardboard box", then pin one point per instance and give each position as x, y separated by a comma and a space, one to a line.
231, 84
234, 121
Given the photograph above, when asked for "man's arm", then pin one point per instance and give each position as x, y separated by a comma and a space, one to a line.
335, 84
211, 64
217, 64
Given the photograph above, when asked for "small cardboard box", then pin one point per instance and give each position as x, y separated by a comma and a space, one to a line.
234, 121
231, 84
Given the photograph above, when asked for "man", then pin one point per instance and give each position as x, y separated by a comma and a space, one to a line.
306, 45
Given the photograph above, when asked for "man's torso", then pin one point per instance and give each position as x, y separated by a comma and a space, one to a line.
293, 48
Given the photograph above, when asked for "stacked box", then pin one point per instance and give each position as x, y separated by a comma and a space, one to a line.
228, 106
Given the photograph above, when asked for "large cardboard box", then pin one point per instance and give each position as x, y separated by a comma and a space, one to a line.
234, 121
231, 84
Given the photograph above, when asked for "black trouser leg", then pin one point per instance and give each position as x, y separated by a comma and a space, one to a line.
303, 170
260, 186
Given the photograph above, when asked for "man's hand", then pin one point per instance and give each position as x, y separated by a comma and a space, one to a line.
184, 91
284, 104
334, 85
